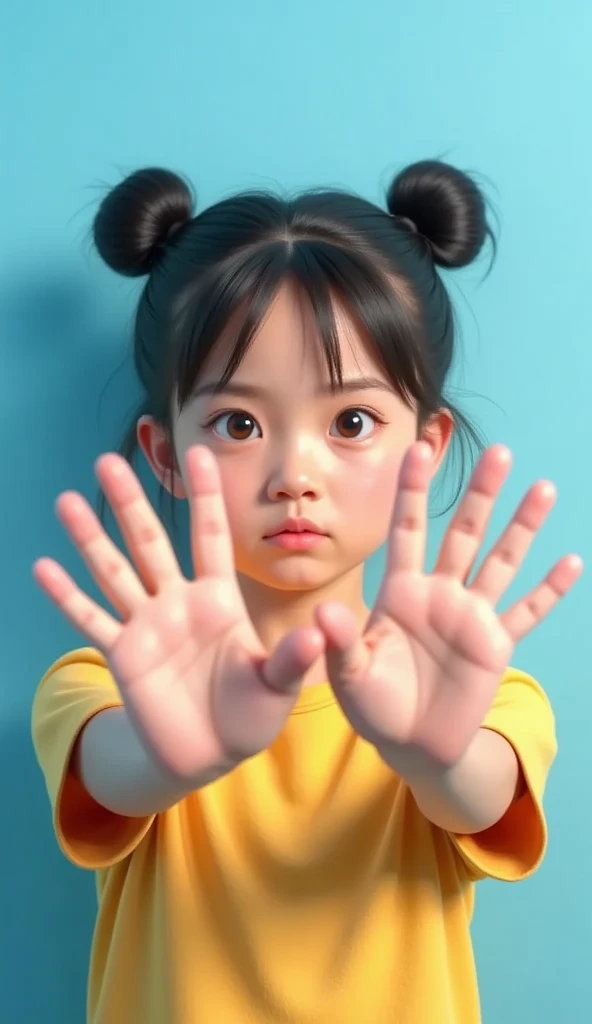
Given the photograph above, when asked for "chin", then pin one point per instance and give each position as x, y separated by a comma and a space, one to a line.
300, 575
294, 573
300, 578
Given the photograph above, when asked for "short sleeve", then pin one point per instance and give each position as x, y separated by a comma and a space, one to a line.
73, 690
514, 847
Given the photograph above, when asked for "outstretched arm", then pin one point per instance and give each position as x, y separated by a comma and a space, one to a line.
419, 683
472, 794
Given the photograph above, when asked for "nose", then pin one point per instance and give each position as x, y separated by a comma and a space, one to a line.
295, 474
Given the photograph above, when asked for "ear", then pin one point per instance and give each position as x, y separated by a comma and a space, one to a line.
437, 431
160, 453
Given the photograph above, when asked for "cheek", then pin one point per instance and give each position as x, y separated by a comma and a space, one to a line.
369, 483
238, 491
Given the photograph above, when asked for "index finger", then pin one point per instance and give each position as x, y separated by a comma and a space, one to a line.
407, 537
211, 543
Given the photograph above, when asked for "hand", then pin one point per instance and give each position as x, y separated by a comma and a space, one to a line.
423, 675
199, 687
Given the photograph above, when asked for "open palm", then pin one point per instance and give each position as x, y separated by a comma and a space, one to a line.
197, 683
425, 671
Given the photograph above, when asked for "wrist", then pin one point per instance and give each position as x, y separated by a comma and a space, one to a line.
118, 770
414, 764
468, 796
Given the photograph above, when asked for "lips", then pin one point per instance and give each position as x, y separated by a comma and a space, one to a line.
296, 526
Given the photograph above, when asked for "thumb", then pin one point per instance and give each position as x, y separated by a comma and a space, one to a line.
291, 658
347, 655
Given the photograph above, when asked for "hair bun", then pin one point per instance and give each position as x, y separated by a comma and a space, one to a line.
446, 208
137, 216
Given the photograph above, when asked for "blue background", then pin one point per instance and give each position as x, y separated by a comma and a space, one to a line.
237, 95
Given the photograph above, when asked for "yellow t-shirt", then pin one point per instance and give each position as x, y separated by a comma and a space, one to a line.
305, 887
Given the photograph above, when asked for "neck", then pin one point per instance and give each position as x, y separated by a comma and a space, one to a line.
275, 612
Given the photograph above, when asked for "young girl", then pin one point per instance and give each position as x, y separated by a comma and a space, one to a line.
287, 796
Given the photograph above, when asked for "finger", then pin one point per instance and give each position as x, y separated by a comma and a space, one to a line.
211, 543
108, 566
506, 557
85, 615
407, 536
291, 659
525, 614
467, 528
141, 529
347, 655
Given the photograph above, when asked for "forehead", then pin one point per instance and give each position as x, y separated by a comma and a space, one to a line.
287, 349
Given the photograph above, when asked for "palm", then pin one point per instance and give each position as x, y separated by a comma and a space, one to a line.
198, 684
427, 667
435, 648
176, 660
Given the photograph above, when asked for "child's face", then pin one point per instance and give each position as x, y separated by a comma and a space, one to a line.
287, 447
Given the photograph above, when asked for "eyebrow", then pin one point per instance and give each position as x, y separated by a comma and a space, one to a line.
246, 390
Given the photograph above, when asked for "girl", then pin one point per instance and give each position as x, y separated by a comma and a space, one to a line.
287, 796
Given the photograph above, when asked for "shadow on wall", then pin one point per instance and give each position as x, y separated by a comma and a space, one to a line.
48, 907
57, 355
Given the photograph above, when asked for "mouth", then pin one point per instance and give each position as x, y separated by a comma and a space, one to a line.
296, 535
296, 527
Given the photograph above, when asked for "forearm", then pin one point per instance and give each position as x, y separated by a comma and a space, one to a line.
472, 795
114, 768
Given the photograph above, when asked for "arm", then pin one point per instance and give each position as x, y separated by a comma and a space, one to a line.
470, 796
112, 765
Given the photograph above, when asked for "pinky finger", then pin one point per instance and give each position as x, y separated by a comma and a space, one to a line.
525, 614
85, 615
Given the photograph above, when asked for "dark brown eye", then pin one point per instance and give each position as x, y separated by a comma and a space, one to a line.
236, 426
353, 424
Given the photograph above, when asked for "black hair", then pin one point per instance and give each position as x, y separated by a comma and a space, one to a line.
380, 265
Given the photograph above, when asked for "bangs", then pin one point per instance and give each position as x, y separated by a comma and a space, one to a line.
380, 305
